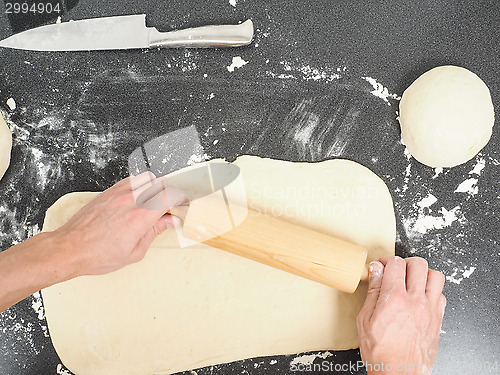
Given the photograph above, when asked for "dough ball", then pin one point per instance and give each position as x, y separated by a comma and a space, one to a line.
446, 116
5, 146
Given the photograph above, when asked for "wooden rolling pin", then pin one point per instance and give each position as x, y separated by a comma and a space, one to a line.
276, 243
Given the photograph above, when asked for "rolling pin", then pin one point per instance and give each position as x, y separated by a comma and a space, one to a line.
276, 243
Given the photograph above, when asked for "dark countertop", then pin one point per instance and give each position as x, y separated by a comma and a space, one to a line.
309, 92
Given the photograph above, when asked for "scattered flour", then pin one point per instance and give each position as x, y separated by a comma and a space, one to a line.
314, 136
306, 72
37, 306
427, 201
18, 230
11, 103
493, 160
308, 359
468, 186
468, 272
425, 223
197, 158
380, 91
238, 62
19, 337
186, 63
61, 370
316, 74
437, 172
481, 163
100, 149
406, 180
456, 278
305, 132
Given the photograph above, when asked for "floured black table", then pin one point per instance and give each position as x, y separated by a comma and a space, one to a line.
321, 80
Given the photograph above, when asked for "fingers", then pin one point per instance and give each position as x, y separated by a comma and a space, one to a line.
164, 199
416, 275
146, 192
394, 280
150, 188
165, 222
159, 196
440, 310
376, 272
442, 304
385, 259
434, 287
151, 193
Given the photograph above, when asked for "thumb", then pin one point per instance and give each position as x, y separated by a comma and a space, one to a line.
376, 272
165, 222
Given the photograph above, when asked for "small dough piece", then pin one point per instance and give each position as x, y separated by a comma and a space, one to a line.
446, 116
185, 308
5, 146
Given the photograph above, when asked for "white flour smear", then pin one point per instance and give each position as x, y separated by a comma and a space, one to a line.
458, 275
19, 338
436, 230
306, 72
470, 185
380, 91
37, 305
424, 223
317, 136
308, 359
60, 370
188, 62
237, 62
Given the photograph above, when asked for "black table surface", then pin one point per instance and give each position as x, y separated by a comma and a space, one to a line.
322, 81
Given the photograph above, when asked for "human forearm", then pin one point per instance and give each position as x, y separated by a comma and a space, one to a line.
107, 234
33, 265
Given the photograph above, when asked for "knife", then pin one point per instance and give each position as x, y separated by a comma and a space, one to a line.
125, 32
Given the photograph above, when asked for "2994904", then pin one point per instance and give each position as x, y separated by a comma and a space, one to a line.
32, 7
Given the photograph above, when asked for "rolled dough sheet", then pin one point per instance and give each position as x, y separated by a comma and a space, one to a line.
181, 309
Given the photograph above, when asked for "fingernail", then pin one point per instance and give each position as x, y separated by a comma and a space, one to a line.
375, 268
176, 221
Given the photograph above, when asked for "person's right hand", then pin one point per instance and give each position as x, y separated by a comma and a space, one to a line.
118, 226
400, 322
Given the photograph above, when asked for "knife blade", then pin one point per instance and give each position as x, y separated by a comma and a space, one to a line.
125, 32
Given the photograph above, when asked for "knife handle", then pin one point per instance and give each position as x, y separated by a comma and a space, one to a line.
205, 36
